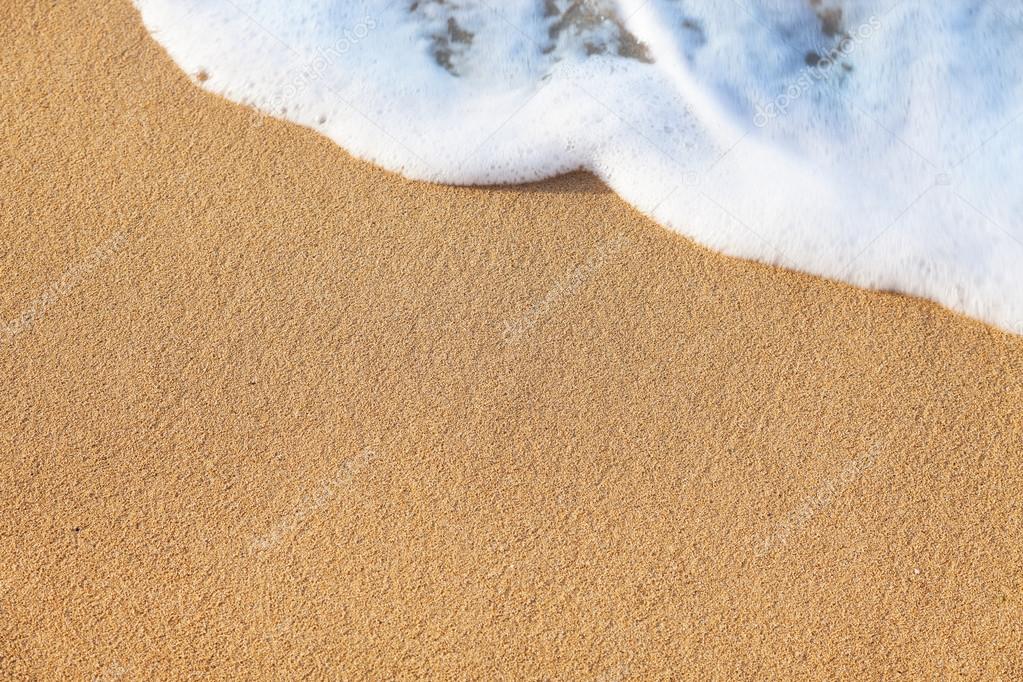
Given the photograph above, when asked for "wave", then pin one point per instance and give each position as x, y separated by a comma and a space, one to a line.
877, 142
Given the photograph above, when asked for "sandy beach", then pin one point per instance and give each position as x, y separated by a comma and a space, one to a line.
270, 412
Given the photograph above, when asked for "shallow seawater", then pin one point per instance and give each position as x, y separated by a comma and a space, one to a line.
879, 142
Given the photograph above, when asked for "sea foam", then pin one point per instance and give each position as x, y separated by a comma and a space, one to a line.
876, 142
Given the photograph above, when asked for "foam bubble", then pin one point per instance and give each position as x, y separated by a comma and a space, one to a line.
872, 141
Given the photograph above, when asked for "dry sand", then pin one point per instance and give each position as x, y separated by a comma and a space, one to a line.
270, 412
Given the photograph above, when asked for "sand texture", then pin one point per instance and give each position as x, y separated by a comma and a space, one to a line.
268, 412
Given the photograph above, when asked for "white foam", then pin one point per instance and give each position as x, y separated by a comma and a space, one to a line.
873, 141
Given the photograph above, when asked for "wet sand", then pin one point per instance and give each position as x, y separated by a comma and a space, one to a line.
269, 412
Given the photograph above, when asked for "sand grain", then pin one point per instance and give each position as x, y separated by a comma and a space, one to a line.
681, 465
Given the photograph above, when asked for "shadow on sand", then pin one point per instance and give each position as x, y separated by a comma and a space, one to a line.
576, 182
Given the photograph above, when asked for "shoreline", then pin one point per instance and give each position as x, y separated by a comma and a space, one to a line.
188, 488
